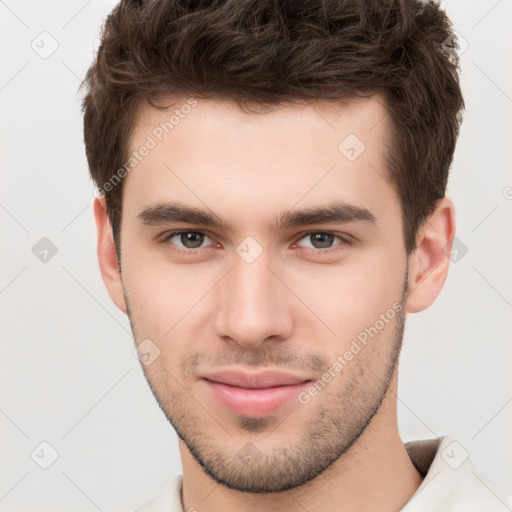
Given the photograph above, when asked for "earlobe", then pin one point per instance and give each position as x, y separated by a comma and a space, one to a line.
107, 256
428, 264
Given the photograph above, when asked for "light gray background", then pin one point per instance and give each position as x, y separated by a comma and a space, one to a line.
68, 373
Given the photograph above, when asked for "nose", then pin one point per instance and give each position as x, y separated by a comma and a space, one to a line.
254, 304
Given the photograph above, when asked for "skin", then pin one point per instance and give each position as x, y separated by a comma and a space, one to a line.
293, 308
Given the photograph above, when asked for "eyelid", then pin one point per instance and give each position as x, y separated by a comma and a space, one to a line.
166, 239
345, 238
346, 241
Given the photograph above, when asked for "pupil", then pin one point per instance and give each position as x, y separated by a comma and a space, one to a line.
323, 238
190, 237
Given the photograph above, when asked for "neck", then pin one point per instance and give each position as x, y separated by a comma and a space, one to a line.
374, 474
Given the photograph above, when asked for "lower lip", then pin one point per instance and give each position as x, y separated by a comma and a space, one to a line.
253, 403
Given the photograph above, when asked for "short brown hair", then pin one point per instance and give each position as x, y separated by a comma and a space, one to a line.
270, 51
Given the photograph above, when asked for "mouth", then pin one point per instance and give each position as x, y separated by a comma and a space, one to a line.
253, 395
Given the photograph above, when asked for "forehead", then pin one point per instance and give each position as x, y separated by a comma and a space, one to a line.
210, 153
301, 117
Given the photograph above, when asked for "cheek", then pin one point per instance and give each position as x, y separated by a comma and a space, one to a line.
351, 297
154, 298
170, 301
167, 303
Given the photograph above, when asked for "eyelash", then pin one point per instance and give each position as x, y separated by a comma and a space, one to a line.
345, 241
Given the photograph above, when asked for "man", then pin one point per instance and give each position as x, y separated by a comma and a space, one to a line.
271, 204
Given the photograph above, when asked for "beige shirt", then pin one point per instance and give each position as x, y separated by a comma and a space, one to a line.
451, 483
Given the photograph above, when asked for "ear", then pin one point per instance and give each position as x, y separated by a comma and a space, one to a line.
107, 256
428, 264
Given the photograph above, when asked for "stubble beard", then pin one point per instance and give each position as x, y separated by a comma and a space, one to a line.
328, 434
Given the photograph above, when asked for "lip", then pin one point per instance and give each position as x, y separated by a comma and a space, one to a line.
253, 394
267, 378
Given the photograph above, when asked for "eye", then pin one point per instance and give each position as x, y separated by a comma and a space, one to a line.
189, 240
323, 241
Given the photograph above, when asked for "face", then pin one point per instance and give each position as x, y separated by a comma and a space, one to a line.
297, 264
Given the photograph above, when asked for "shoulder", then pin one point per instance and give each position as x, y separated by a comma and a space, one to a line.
169, 500
451, 482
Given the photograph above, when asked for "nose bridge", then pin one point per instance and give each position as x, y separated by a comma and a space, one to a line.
252, 282
253, 305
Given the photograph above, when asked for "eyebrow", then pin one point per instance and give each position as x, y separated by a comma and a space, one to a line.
166, 212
